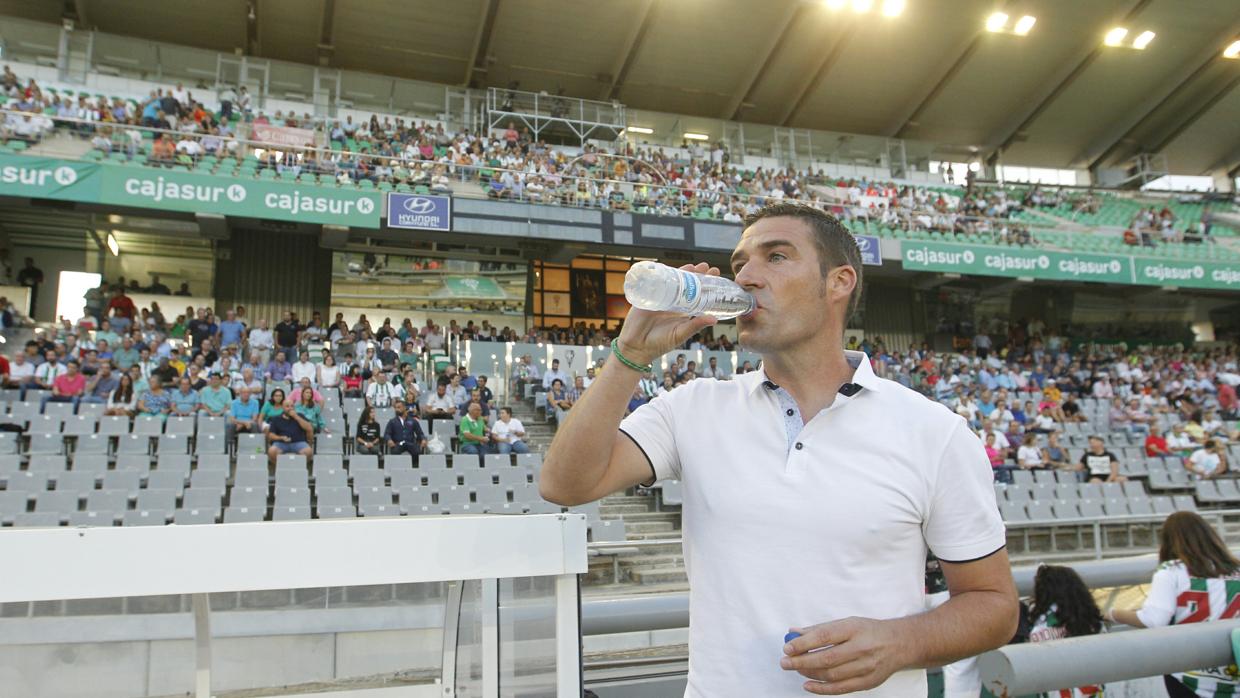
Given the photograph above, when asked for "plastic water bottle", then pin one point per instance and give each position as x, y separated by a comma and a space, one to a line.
654, 286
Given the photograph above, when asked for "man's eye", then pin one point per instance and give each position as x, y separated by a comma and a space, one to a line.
775, 255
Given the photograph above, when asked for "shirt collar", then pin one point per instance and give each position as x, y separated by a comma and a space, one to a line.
863, 374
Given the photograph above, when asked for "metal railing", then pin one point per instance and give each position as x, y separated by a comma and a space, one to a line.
89, 563
572, 190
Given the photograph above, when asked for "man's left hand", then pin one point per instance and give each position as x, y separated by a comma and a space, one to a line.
843, 656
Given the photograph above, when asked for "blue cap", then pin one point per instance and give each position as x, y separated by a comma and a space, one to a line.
791, 636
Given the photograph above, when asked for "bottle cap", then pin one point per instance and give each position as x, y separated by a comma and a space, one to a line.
791, 636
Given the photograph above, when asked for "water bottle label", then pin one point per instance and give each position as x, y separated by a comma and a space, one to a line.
690, 287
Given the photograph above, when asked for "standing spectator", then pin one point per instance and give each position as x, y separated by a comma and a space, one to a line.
288, 333
1063, 607
508, 434
288, 432
261, 341
1100, 464
1193, 559
403, 433
243, 415
122, 305
31, 277
473, 432
368, 436
232, 332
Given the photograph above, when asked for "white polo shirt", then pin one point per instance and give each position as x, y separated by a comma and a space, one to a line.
789, 526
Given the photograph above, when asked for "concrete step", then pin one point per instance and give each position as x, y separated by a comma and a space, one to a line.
625, 510
670, 518
657, 535
639, 562
648, 526
659, 575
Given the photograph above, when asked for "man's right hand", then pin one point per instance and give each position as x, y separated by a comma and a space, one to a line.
648, 334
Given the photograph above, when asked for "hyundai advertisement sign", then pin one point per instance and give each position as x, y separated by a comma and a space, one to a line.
419, 212
868, 245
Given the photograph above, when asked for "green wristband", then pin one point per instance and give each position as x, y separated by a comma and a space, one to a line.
615, 350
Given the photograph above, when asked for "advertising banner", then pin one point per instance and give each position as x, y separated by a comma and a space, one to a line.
987, 260
419, 212
870, 254
48, 178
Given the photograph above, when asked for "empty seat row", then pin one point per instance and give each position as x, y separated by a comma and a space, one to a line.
1050, 512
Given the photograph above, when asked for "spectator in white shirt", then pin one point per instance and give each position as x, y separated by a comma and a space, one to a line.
553, 373
305, 369
508, 434
1029, 456
262, 340
712, 370
21, 373
439, 405
1210, 461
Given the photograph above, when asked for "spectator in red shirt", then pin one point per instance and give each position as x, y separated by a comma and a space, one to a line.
68, 386
122, 303
1156, 444
1226, 400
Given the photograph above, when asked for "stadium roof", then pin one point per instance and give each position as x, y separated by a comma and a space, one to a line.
1057, 97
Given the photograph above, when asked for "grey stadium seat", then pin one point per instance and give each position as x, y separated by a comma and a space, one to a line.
180, 425
1163, 504
148, 426
292, 497
433, 461
46, 444
413, 497
95, 518
378, 509
90, 463
251, 479
363, 462
168, 480
336, 512
453, 495
75, 481
245, 514
405, 478
1091, 509
157, 500
369, 478
1042, 511
251, 443
133, 444
107, 500
334, 496
196, 516
1184, 502
209, 478
441, 479
146, 518
285, 513
27, 481
251, 498
608, 531
36, 520
1141, 507
478, 477
210, 444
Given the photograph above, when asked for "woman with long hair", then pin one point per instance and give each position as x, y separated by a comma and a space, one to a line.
369, 435
1190, 586
309, 409
273, 407
1063, 607
123, 401
353, 382
329, 373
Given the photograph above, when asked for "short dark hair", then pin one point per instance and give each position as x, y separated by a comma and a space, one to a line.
506, 409
835, 244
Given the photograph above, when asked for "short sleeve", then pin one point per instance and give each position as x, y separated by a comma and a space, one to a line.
962, 523
652, 428
1160, 603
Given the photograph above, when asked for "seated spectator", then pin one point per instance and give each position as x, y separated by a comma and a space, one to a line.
246, 379
1179, 442
288, 432
271, 408
352, 382
1056, 455
508, 434
1209, 461
165, 374
1212, 425
1044, 423
473, 432
1156, 444
403, 433
21, 374
1063, 607
279, 369
123, 401
1029, 456
305, 369
155, 402
997, 460
243, 415
1137, 419
69, 386
309, 409
561, 400
184, 398
439, 405
369, 436
381, 393
328, 372
215, 399
1100, 464
100, 388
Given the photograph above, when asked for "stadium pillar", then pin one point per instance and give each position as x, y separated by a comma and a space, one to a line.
1223, 181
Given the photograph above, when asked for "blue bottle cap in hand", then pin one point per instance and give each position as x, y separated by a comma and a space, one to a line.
791, 636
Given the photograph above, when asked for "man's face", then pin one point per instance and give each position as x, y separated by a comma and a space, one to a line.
185, 385
441, 390
399, 406
777, 262
475, 410
1095, 445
